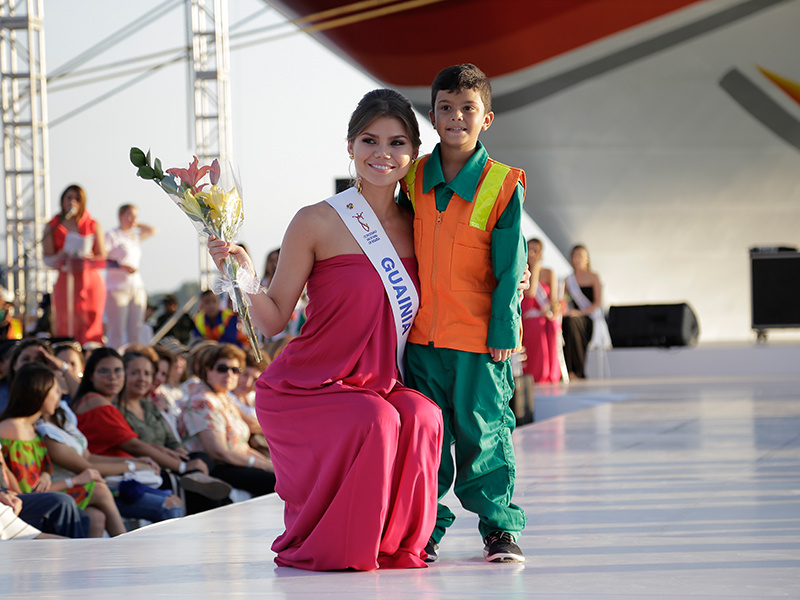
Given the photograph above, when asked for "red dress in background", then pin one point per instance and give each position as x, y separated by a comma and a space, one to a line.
85, 321
540, 338
355, 452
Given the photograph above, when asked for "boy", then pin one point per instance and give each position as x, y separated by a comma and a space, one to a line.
471, 255
213, 322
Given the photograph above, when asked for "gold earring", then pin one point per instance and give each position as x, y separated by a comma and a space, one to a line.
351, 156
413, 160
359, 185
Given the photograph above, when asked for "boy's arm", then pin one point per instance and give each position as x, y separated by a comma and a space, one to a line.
509, 258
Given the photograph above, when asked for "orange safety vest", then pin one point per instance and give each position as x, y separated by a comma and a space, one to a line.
454, 253
213, 333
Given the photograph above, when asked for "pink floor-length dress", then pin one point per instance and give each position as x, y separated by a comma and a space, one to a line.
355, 452
540, 339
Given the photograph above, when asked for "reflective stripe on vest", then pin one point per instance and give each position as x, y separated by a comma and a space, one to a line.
453, 251
485, 197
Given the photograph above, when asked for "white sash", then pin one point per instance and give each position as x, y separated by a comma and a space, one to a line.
542, 300
541, 297
601, 338
360, 219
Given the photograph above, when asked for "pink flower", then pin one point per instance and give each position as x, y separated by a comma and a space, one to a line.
192, 175
214, 172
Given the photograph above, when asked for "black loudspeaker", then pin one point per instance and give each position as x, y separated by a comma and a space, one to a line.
652, 325
774, 285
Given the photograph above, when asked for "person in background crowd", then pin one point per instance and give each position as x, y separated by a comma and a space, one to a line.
211, 427
52, 513
107, 431
44, 324
34, 393
166, 398
269, 266
10, 327
182, 329
6, 349
244, 399
72, 354
215, 323
584, 295
35, 350
541, 320
127, 297
12, 527
75, 245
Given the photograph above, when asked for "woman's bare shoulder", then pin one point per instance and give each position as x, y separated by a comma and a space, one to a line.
313, 220
89, 402
320, 229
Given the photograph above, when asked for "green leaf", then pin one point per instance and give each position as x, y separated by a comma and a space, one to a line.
137, 157
159, 174
146, 172
148, 158
168, 184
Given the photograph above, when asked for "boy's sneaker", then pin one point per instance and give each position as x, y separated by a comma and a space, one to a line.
500, 547
432, 550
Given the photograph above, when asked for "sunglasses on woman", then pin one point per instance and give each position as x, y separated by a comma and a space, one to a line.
226, 368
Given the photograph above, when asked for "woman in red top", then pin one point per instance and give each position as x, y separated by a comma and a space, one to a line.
75, 245
106, 430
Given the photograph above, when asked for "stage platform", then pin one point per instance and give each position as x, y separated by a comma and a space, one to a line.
661, 488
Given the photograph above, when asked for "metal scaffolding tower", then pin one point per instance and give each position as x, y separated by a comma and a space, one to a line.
23, 87
209, 86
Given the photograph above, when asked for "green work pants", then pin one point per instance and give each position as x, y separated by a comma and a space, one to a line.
474, 393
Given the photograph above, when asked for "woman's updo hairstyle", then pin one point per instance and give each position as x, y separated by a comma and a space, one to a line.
384, 103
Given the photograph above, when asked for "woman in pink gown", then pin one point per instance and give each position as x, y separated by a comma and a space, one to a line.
355, 452
541, 320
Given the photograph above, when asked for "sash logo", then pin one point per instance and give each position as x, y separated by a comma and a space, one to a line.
360, 218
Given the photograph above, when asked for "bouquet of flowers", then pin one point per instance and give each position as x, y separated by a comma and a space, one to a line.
215, 211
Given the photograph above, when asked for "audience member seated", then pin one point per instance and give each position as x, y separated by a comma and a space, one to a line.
35, 392
36, 350
106, 430
167, 394
146, 420
72, 354
194, 360
211, 425
69, 449
52, 513
6, 349
583, 322
12, 527
244, 399
182, 329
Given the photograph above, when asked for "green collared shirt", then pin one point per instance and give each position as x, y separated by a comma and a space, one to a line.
509, 250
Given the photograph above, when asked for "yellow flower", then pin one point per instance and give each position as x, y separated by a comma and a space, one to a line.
224, 208
191, 207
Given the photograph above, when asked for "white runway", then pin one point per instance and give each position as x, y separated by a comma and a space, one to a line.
663, 488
